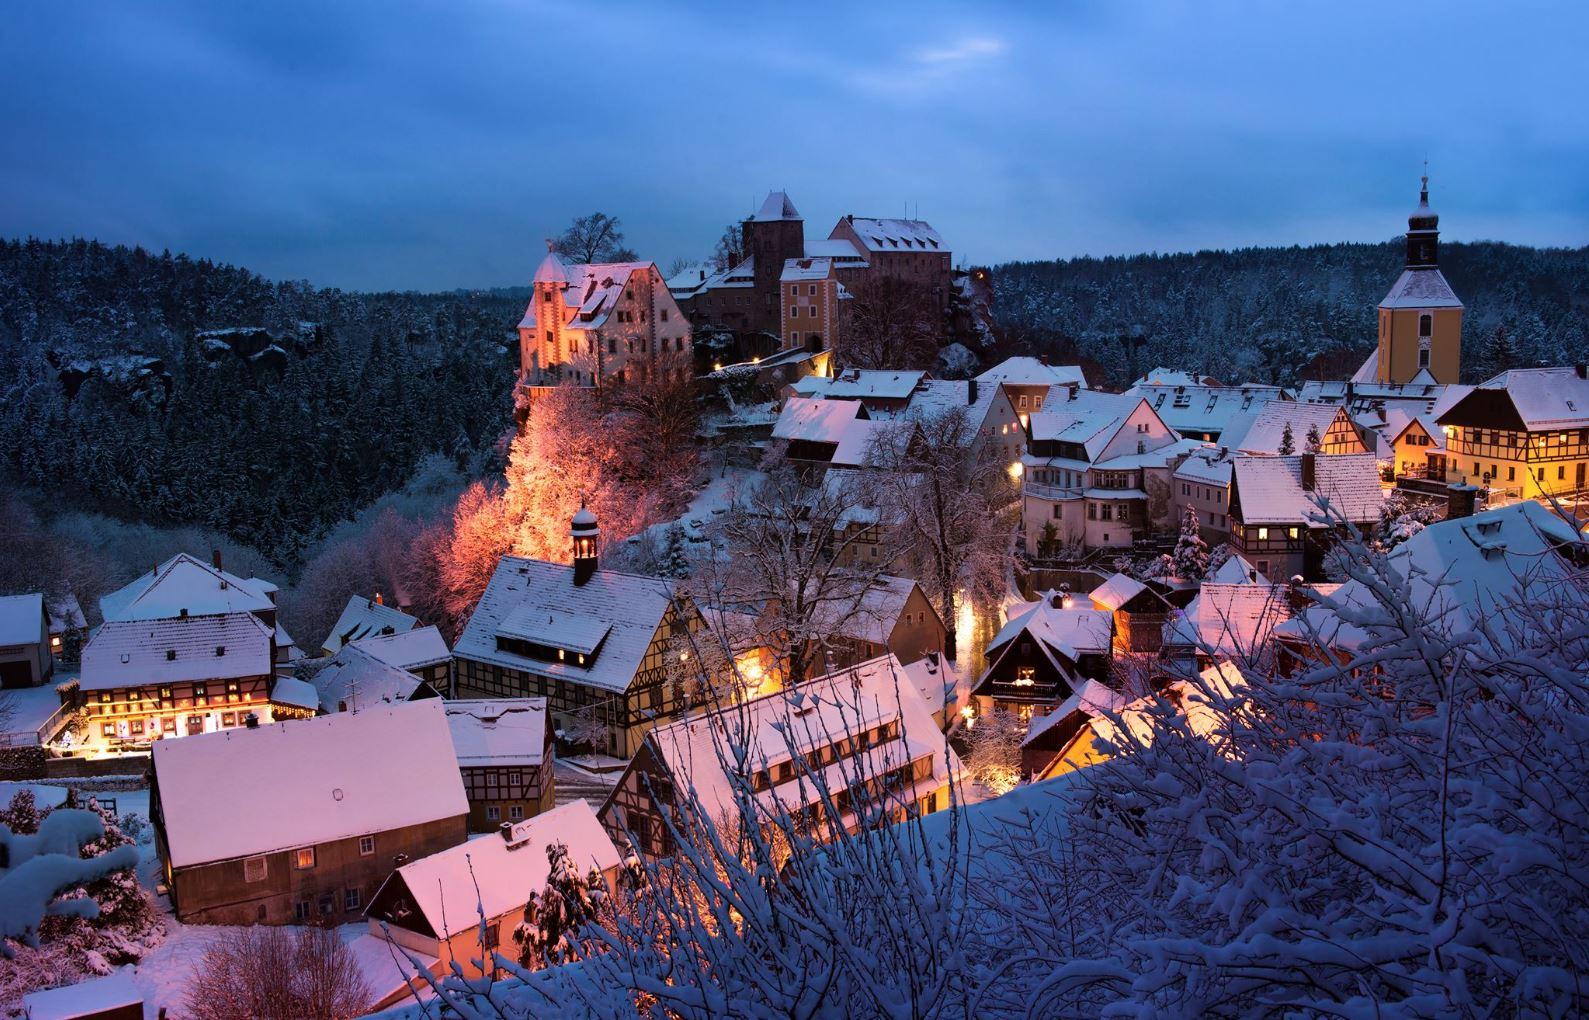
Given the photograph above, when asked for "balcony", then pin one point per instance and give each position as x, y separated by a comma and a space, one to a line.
1042, 491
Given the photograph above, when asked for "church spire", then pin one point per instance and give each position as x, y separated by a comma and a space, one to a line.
1423, 230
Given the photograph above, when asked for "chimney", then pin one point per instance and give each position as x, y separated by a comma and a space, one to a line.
1309, 472
1252, 575
378, 600
1461, 500
971, 392
1296, 598
215, 558
1582, 369
251, 721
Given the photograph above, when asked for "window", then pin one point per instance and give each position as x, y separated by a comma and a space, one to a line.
300, 910
366, 845
515, 812
1511, 474
493, 813
1423, 358
350, 899
794, 291
546, 296
813, 290
137, 727
1056, 512
1426, 326
1263, 534
107, 729
328, 904
254, 869
303, 859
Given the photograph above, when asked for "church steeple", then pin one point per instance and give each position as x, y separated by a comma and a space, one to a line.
1423, 232
587, 540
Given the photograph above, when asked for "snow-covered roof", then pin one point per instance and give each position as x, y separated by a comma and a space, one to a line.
90, 998
1116, 591
777, 207
498, 731
21, 619
355, 680
1236, 570
490, 874
936, 397
590, 292
416, 649
841, 249
66, 613
140, 653
1092, 698
1421, 287
1230, 619
888, 235
186, 583
632, 607
364, 617
552, 268
690, 278
1203, 408
1072, 632
857, 442
1535, 399
1368, 371
861, 383
934, 678
1207, 464
806, 269
816, 420
1271, 491
1262, 429
1090, 419
1463, 572
1027, 371
778, 727
307, 782
289, 690
870, 613
1162, 376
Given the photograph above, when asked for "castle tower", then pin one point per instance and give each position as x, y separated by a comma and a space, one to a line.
541, 329
1420, 320
775, 234
587, 541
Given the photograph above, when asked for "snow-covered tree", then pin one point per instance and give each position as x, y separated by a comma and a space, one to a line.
550, 931
993, 750
37, 870
949, 509
22, 815
1190, 558
1288, 441
1314, 442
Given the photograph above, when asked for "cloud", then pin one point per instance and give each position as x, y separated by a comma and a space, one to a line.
966, 49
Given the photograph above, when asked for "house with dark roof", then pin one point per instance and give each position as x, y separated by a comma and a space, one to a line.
366, 617
598, 644
25, 659
1523, 434
1276, 519
1044, 652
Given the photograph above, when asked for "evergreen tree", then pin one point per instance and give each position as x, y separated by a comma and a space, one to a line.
1190, 558
548, 934
1314, 443
1288, 442
22, 815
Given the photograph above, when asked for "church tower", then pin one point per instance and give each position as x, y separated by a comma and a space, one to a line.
541, 329
1420, 320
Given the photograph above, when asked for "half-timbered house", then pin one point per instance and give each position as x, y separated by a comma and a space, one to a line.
504, 749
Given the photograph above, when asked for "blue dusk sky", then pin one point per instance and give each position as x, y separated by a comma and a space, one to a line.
431, 146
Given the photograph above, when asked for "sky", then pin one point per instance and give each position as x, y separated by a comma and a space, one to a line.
434, 145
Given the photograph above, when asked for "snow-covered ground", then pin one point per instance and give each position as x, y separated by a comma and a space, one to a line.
24, 710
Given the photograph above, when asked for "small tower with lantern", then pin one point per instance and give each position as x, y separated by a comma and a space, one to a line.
587, 541
1420, 320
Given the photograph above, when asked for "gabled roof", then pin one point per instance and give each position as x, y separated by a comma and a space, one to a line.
860, 384
1204, 408
1071, 632
1532, 399
450, 888
307, 781
631, 606
1421, 287
138, 653
22, 620
1090, 419
1269, 489
777, 207
187, 583
66, 613
495, 732
416, 649
806, 269
1236, 570
871, 615
1463, 572
1262, 430
888, 235
1162, 376
1117, 591
841, 249
816, 420
289, 690
355, 680
1230, 619
1028, 371
788, 723
590, 292
364, 617
1208, 464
